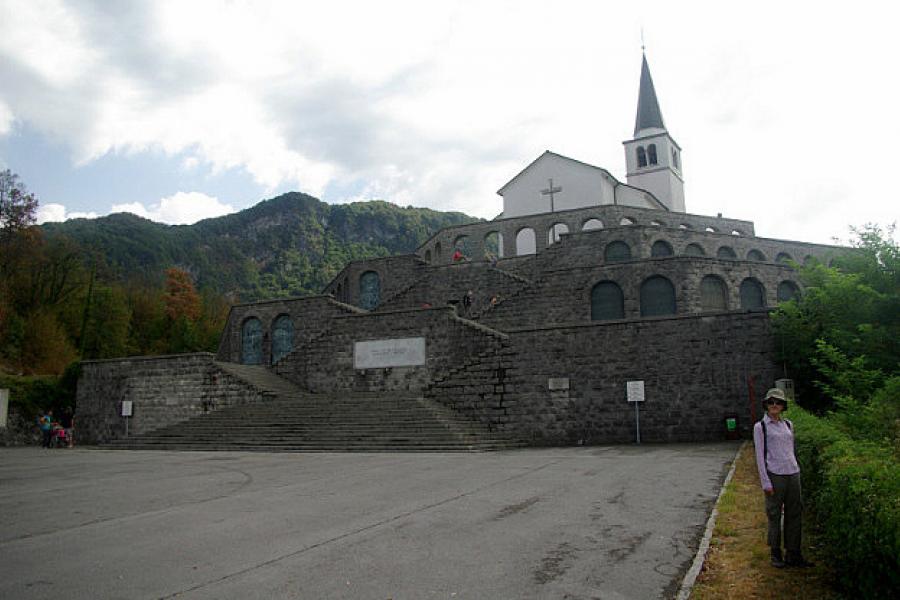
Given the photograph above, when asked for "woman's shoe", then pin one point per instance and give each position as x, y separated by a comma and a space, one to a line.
777, 561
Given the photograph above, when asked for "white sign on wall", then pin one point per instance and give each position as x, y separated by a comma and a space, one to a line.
127, 408
635, 391
380, 354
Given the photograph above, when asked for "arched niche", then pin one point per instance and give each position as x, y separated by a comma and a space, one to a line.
369, 290
525, 242
607, 301
756, 256
713, 294
428, 256
592, 224
787, 290
661, 248
753, 295
626, 221
657, 297
251, 342
726, 252
694, 250
617, 251
783, 258
282, 337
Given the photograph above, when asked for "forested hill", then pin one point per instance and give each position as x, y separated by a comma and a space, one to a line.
287, 246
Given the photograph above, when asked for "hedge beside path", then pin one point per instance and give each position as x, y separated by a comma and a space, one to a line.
853, 488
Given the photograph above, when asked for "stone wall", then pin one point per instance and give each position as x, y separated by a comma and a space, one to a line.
164, 389
439, 248
695, 369
310, 317
326, 364
396, 273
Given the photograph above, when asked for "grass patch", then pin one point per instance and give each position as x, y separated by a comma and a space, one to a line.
737, 564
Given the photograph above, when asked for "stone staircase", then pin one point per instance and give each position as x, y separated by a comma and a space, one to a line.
289, 420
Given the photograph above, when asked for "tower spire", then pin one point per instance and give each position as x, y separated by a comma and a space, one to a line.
648, 114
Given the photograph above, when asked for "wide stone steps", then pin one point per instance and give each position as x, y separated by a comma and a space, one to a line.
306, 423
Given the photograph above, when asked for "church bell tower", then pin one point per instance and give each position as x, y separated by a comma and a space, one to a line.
652, 158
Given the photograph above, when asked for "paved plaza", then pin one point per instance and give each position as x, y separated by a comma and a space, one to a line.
604, 522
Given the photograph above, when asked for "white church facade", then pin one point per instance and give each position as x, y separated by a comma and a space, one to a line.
554, 182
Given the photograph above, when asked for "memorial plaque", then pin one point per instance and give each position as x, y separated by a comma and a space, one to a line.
558, 383
380, 354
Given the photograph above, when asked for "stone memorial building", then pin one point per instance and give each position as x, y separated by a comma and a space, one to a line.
520, 330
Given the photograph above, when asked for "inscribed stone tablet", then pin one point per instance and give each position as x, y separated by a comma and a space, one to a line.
558, 383
379, 354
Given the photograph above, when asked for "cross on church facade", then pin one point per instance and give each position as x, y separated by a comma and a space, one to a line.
550, 191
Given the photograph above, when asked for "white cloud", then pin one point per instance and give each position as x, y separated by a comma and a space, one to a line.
440, 104
182, 208
6, 118
55, 213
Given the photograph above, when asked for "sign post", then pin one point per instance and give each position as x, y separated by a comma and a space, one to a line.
635, 393
127, 411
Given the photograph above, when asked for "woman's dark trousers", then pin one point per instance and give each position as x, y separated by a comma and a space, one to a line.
787, 494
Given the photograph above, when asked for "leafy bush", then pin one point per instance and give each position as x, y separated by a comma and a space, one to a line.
853, 487
33, 394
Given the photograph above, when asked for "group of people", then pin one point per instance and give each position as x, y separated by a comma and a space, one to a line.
57, 432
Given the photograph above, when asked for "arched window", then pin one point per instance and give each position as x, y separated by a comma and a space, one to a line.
607, 302
694, 250
651, 154
493, 244
339, 292
617, 251
592, 224
282, 337
726, 252
428, 256
642, 157
675, 159
752, 294
736, 232
464, 245
555, 231
684, 226
657, 223
710, 229
783, 258
713, 294
251, 342
661, 248
657, 297
525, 243
369, 290
756, 255
626, 221
437, 252
787, 290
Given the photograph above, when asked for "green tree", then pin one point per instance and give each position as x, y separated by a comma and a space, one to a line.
841, 339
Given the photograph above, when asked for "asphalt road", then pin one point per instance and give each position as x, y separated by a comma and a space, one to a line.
600, 522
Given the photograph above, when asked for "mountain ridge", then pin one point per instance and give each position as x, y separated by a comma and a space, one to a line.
288, 245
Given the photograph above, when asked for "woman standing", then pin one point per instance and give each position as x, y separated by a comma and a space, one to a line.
779, 475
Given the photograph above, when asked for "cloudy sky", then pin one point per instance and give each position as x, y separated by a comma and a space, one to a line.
181, 110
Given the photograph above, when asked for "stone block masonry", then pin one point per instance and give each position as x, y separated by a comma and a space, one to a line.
164, 390
695, 369
325, 364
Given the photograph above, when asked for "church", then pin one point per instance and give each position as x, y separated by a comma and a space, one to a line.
585, 299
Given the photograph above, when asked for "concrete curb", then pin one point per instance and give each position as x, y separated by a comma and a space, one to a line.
687, 584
